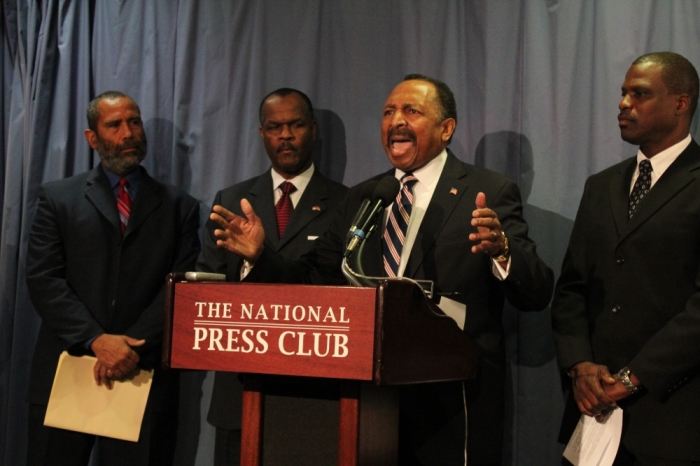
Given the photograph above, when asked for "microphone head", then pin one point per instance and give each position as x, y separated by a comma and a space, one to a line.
368, 189
387, 190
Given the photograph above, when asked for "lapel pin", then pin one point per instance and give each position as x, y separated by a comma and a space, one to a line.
316, 208
453, 191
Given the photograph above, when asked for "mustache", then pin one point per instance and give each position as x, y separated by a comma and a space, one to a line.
402, 132
131, 145
624, 116
287, 146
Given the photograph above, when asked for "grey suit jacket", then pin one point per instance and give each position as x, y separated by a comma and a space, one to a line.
311, 217
432, 415
629, 295
86, 279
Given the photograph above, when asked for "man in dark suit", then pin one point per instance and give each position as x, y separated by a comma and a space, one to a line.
96, 273
484, 254
288, 130
627, 301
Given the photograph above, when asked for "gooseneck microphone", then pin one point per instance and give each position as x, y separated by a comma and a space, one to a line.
366, 196
384, 194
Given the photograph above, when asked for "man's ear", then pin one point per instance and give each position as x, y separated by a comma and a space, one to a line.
682, 104
448, 127
91, 138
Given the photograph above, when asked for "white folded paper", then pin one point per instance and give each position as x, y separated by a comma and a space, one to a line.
77, 403
595, 443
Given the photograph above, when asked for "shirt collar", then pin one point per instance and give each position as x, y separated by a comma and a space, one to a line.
134, 179
661, 161
300, 181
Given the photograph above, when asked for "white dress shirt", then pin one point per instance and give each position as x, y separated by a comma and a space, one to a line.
661, 161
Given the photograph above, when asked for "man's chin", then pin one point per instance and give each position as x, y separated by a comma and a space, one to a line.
123, 165
402, 162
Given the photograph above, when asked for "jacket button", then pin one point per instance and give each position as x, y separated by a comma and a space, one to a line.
114, 302
620, 260
616, 309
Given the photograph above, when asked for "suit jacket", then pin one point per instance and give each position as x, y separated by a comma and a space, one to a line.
86, 279
628, 296
311, 217
432, 415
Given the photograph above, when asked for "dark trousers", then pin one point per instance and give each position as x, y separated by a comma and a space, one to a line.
626, 458
227, 447
49, 446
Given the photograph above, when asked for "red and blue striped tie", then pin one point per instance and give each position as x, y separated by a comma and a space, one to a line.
397, 225
123, 203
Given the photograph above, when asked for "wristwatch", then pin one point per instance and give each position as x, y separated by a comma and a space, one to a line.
624, 376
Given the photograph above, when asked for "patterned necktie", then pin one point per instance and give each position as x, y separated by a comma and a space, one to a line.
397, 225
123, 203
284, 207
641, 186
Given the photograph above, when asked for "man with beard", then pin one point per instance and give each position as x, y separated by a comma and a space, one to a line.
288, 130
464, 231
100, 247
626, 313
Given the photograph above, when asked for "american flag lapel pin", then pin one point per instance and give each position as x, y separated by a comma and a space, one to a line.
317, 208
453, 191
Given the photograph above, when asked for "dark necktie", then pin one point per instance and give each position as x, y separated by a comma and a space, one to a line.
284, 207
397, 225
641, 186
123, 203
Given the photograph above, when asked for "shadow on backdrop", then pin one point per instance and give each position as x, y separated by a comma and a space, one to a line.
535, 406
330, 150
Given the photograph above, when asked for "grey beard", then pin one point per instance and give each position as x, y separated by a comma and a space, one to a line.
121, 165
118, 164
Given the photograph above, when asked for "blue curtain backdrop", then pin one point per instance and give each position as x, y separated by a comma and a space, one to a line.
537, 84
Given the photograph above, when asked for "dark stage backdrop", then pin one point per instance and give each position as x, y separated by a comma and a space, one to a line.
537, 84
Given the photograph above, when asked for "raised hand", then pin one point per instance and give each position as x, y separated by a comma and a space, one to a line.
243, 236
488, 236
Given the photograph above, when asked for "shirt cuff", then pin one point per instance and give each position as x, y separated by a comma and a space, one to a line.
500, 272
245, 269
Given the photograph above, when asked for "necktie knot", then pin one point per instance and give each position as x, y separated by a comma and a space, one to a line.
287, 188
645, 167
123, 183
409, 180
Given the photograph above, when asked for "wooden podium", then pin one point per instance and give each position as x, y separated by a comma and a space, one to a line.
369, 339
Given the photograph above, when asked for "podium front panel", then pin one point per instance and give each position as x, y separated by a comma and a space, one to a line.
305, 330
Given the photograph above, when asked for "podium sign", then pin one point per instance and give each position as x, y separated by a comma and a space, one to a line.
312, 331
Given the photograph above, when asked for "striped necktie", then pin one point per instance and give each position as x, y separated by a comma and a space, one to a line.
123, 203
397, 225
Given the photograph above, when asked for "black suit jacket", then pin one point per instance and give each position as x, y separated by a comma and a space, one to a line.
311, 217
432, 415
629, 295
86, 279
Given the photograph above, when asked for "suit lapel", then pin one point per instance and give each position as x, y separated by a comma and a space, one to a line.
675, 179
449, 191
147, 200
263, 202
620, 194
99, 192
310, 206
